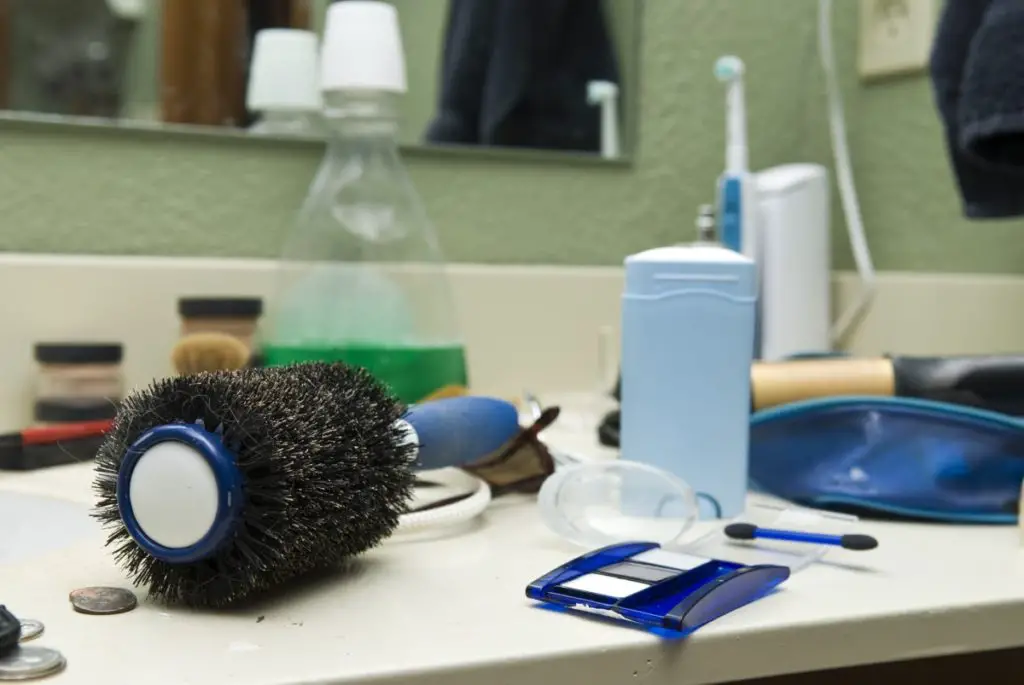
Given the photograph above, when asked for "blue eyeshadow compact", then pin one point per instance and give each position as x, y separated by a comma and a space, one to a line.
642, 584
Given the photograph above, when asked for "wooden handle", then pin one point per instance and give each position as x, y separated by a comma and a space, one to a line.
775, 383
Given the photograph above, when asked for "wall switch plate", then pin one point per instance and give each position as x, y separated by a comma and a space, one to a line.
895, 37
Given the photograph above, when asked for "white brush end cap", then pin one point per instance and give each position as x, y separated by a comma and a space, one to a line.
174, 495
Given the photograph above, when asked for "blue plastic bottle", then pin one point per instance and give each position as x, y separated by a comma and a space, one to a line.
688, 320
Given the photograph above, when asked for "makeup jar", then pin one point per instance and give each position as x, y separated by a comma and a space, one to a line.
236, 316
78, 381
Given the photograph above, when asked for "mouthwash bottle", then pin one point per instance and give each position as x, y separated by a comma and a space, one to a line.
362, 277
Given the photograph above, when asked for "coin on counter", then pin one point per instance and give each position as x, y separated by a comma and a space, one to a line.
102, 600
28, 663
30, 629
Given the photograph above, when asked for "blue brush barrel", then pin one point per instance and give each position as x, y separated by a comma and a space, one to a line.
460, 430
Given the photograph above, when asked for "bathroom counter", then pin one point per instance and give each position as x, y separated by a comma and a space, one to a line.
453, 611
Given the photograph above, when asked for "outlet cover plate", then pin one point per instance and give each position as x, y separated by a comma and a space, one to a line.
895, 37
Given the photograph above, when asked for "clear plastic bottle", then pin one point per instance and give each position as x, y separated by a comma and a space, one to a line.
362, 276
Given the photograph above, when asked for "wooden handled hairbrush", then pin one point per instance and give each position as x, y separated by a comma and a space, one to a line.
992, 382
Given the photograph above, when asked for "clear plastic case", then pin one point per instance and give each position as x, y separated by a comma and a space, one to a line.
582, 504
795, 555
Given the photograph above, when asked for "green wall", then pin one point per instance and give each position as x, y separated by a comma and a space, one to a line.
101, 191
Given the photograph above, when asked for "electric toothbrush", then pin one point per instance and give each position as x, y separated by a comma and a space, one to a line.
737, 196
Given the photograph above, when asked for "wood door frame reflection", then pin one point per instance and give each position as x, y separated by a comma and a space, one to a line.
204, 57
301, 14
286, 13
202, 62
5, 54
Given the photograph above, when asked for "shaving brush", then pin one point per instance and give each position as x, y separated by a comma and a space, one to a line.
222, 485
209, 351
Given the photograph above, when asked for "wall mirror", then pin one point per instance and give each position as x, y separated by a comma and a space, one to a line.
558, 76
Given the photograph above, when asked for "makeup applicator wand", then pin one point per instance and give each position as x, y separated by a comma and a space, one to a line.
221, 485
748, 531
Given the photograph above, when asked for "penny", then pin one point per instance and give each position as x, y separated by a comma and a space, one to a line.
30, 629
26, 663
102, 600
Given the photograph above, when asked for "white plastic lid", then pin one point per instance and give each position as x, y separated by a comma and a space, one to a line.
688, 253
362, 48
174, 495
283, 72
585, 504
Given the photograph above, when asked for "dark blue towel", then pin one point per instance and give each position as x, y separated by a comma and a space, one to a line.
977, 68
515, 74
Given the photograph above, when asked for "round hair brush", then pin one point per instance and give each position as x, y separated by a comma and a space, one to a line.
225, 484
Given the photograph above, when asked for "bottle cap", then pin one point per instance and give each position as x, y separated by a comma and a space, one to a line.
283, 72
220, 307
74, 411
78, 353
362, 48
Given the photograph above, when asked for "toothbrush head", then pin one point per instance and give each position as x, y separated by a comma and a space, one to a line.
600, 91
729, 68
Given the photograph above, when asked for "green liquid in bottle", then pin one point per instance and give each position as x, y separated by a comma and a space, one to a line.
412, 372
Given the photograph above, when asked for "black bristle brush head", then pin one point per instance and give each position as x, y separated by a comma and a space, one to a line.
325, 473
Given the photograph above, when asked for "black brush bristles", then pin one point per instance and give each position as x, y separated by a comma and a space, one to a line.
326, 474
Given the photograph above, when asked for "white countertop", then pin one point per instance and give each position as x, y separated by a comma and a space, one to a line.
453, 611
